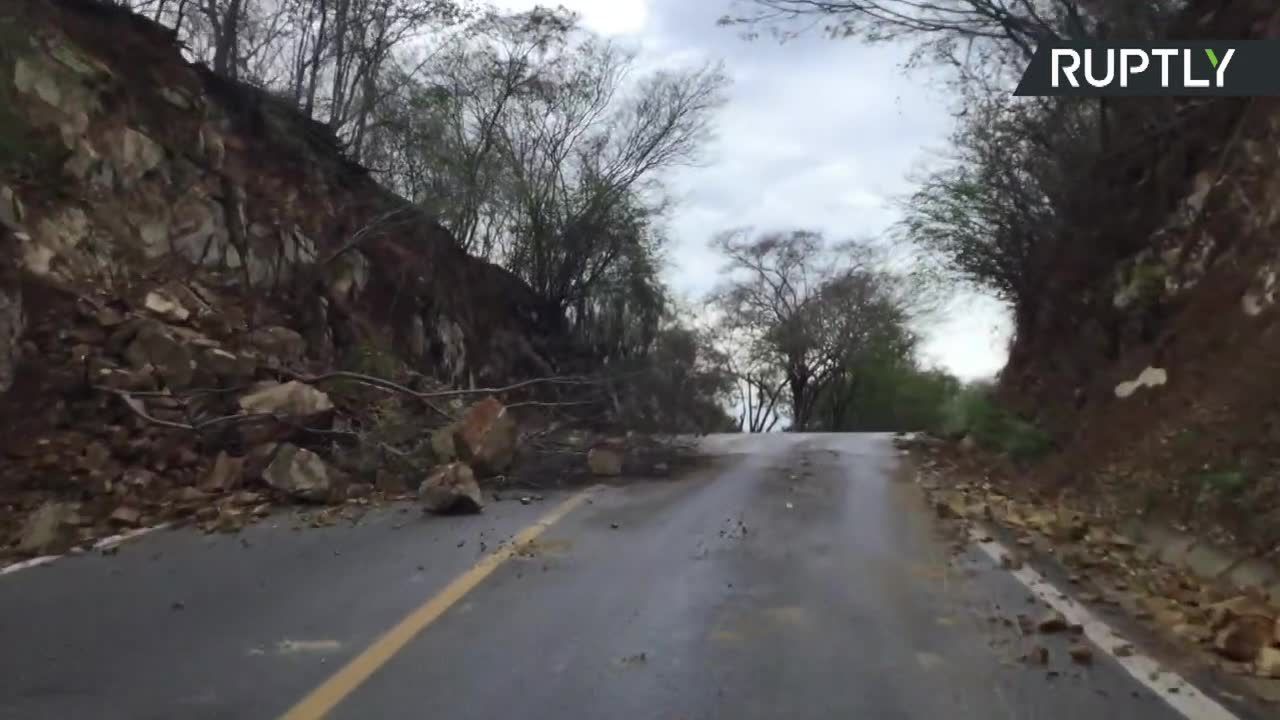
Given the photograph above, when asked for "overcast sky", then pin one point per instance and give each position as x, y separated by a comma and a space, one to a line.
817, 133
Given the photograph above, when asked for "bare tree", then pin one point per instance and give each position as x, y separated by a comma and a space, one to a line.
804, 309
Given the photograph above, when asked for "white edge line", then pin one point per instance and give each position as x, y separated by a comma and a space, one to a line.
1186, 699
104, 544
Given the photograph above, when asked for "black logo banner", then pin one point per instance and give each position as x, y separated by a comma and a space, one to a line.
1237, 68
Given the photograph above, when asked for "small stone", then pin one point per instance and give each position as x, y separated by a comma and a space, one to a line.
126, 515
1081, 654
188, 496
165, 306
1039, 655
1054, 622
1123, 651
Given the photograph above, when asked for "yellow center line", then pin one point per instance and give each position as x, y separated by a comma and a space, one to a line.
324, 699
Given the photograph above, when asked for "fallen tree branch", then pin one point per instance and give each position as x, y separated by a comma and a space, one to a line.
388, 384
537, 403
139, 410
372, 381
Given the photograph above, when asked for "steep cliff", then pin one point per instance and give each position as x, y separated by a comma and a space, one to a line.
164, 233
1154, 353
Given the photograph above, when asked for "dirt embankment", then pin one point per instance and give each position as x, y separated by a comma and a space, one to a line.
176, 253
1154, 355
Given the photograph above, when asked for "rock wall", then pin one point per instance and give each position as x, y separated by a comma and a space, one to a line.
1154, 355
124, 169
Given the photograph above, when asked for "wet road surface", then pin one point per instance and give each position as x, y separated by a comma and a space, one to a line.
798, 576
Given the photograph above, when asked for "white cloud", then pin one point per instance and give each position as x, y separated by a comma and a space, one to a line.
817, 133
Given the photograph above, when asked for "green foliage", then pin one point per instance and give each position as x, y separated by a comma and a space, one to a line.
887, 395
681, 385
973, 412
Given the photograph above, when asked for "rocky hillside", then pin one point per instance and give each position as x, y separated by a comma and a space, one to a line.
1154, 354
175, 249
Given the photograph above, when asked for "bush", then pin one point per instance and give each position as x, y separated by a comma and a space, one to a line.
973, 412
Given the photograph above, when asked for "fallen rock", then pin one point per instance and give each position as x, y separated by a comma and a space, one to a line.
188, 496
1039, 655
1081, 654
451, 489
301, 473
157, 347
486, 437
605, 461
1267, 664
1053, 622
1198, 634
166, 306
225, 474
1224, 613
126, 515
50, 529
228, 365
280, 345
293, 398
1245, 637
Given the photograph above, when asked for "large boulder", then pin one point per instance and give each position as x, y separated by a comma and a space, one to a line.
302, 474
486, 437
451, 488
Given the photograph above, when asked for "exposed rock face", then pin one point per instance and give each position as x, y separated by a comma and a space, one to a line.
216, 162
177, 241
486, 437
302, 474
451, 489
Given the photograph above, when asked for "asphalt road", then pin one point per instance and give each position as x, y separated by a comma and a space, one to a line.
798, 577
